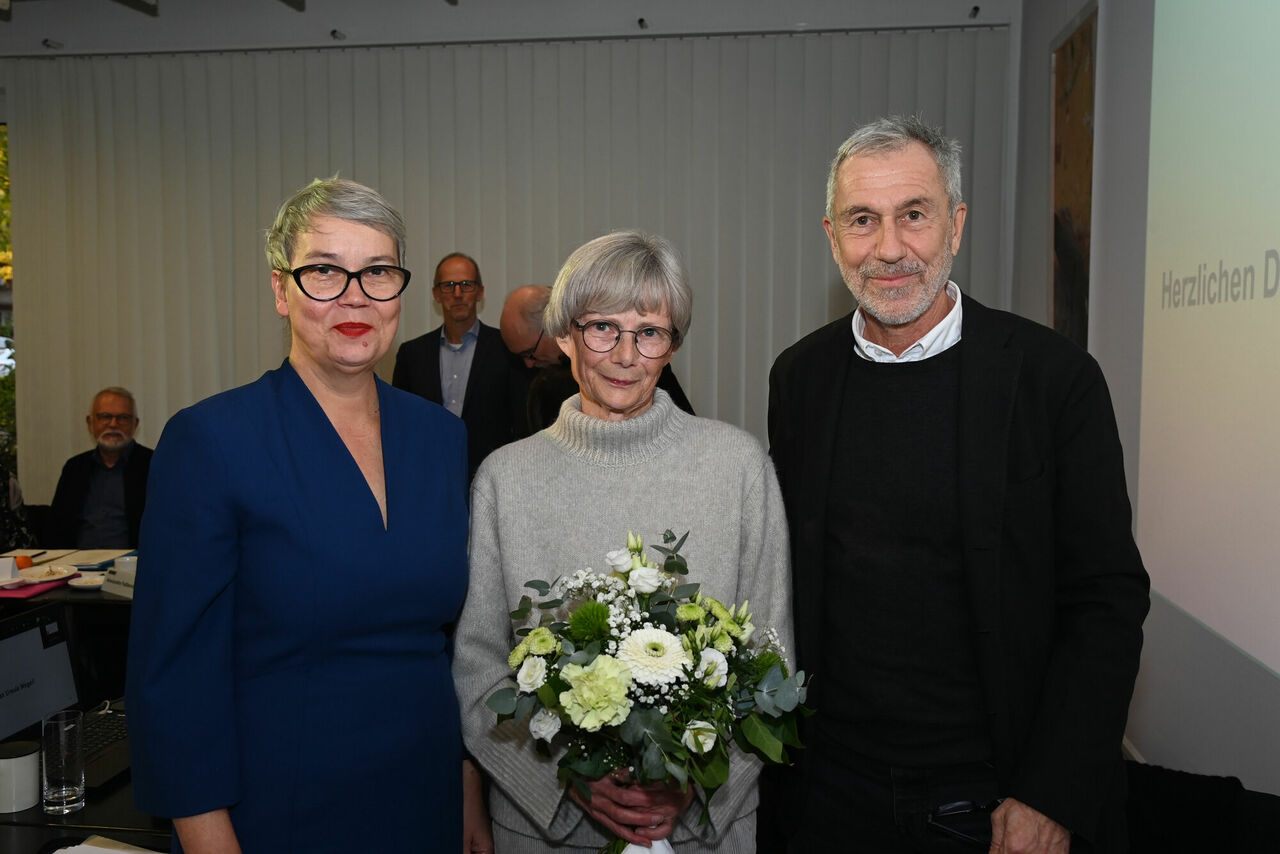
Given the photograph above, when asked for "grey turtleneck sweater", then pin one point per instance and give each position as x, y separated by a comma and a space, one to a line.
557, 502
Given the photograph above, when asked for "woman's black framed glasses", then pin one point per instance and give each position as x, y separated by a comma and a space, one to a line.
601, 336
326, 282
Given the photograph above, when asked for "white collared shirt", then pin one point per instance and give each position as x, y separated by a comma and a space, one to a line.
938, 339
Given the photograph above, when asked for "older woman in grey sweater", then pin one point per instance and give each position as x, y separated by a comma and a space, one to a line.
621, 457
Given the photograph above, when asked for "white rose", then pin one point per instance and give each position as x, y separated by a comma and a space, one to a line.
713, 668
699, 737
544, 724
532, 674
645, 579
618, 560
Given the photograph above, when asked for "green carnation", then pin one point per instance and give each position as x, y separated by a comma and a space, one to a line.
542, 642
690, 613
518, 654
589, 622
715, 608
597, 696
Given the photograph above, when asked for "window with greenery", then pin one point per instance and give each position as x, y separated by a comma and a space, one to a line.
8, 425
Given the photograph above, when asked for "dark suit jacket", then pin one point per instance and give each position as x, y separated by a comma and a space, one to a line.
73, 486
493, 408
1055, 581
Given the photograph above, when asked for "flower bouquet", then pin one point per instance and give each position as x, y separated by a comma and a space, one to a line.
634, 668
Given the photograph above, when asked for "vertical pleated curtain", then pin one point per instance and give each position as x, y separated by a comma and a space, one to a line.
141, 187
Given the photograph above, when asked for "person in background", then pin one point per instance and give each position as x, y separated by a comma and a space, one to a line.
968, 593
14, 532
621, 457
463, 366
101, 493
301, 558
552, 382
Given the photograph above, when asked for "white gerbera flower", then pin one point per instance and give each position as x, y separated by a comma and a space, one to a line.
655, 656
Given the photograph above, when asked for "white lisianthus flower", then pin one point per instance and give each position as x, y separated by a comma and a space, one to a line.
645, 579
618, 560
532, 674
713, 668
544, 724
655, 656
699, 736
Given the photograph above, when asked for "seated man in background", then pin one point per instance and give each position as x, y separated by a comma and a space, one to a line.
462, 364
552, 382
100, 495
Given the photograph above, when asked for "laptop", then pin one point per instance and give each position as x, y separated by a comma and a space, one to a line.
38, 678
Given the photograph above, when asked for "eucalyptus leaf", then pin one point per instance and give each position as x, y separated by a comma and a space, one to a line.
525, 607
541, 587
759, 736
686, 591
502, 701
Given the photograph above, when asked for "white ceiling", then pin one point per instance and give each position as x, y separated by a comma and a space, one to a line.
74, 27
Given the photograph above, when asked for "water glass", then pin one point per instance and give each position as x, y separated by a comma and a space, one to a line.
62, 762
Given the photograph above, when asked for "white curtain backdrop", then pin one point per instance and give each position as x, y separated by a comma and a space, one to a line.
141, 186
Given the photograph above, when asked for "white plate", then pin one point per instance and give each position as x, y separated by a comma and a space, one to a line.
87, 581
41, 574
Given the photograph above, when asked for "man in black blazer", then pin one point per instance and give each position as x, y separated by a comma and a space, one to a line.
969, 597
463, 365
101, 493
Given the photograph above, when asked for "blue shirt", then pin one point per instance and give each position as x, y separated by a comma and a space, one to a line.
455, 368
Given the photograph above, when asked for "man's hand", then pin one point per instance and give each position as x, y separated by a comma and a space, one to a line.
635, 813
1018, 829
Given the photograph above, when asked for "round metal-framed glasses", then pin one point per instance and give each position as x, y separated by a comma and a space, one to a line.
601, 336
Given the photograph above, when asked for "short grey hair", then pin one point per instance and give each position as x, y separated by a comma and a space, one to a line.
116, 391
336, 197
625, 270
894, 133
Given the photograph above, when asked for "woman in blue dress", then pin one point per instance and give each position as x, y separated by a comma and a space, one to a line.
302, 552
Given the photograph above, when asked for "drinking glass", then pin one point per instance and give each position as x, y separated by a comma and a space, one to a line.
62, 762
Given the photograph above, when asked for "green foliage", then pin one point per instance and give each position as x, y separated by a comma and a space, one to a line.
8, 412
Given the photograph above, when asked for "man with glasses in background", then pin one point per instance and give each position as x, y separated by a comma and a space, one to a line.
100, 495
463, 365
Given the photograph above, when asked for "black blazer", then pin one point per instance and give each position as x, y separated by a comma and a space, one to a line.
73, 486
1056, 585
493, 408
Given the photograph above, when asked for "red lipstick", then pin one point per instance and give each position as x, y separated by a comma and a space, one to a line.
353, 330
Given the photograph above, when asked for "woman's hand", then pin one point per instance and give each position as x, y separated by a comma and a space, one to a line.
207, 833
477, 833
635, 813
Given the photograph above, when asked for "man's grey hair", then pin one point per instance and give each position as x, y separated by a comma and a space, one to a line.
117, 391
465, 257
335, 197
625, 270
893, 133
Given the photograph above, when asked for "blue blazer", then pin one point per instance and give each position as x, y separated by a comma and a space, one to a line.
288, 655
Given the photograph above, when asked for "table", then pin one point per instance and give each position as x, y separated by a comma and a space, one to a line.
108, 812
